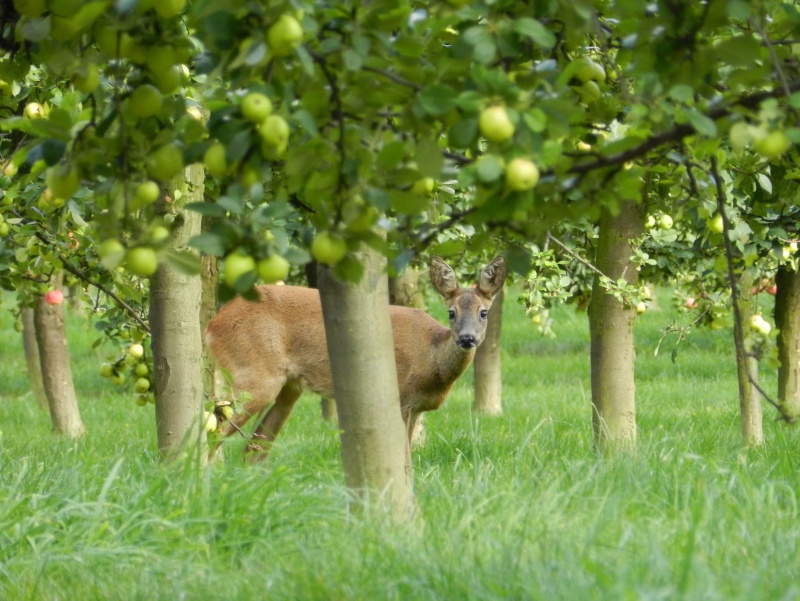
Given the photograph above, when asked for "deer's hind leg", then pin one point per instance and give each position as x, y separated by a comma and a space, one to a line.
271, 424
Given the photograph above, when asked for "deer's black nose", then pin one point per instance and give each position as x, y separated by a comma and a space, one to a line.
467, 341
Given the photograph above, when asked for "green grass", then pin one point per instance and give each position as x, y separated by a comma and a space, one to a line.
514, 507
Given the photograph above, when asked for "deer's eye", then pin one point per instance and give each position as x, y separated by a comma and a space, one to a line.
451, 314
484, 313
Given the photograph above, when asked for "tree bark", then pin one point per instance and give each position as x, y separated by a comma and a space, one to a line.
747, 365
51, 338
176, 337
787, 320
32, 359
611, 329
375, 453
404, 289
208, 308
487, 373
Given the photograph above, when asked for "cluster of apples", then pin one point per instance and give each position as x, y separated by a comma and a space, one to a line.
496, 126
134, 361
664, 221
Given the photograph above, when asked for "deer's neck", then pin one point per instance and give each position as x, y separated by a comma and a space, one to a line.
451, 360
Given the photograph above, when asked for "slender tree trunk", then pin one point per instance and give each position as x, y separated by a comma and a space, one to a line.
487, 373
375, 453
404, 289
746, 364
208, 308
51, 338
176, 338
787, 320
327, 406
32, 359
611, 328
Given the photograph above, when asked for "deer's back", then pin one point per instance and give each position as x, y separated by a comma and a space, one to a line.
282, 335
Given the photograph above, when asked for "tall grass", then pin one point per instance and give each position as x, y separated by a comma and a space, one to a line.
513, 507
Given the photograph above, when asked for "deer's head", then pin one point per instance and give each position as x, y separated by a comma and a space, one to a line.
468, 308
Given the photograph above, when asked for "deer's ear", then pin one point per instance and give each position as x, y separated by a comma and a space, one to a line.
443, 277
493, 277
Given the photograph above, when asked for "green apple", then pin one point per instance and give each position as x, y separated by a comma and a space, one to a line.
141, 370
168, 80
141, 400
136, 350
759, 324
284, 35
423, 186
328, 249
10, 169
716, 224
160, 58
141, 261
250, 176
256, 107
33, 110
227, 411
142, 385
274, 131
650, 223
665, 222
86, 78
165, 162
111, 253
4, 229
106, 370
214, 160
772, 145
588, 70
145, 101
209, 422
158, 234
236, 265
641, 308
273, 268
788, 250
167, 9
62, 180
117, 379
589, 92
495, 124
521, 174
147, 192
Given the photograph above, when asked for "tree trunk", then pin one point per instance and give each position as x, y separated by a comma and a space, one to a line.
404, 289
375, 453
175, 327
32, 359
208, 308
749, 397
787, 320
51, 338
327, 406
611, 329
487, 371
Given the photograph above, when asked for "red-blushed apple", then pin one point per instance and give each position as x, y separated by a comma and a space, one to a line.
54, 297
691, 302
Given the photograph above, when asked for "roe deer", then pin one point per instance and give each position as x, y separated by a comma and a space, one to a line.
276, 347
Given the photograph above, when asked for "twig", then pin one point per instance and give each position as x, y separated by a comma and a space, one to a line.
574, 255
394, 77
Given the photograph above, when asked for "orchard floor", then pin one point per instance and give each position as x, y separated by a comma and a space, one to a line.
511, 507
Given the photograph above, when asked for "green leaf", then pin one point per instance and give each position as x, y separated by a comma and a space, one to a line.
463, 133
438, 99
390, 155
538, 33
429, 158
535, 119
449, 248
740, 51
183, 261
702, 124
408, 203
209, 243
352, 60
682, 93
208, 209
488, 168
